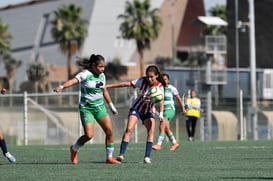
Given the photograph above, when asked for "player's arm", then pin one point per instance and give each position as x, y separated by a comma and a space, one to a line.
161, 109
67, 84
109, 101
181, 102
120, 84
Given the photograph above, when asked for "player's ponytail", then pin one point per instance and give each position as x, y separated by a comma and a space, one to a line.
96, 59
160, 79
83, 62
87, 63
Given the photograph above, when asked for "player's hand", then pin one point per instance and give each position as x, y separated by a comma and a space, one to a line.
161, 118
113, 108
59, 88
183, 111
3, 91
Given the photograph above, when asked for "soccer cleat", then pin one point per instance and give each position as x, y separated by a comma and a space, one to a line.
10, 157
74, 156
112, 160
147, 160
157, 147
174, 146
120, 158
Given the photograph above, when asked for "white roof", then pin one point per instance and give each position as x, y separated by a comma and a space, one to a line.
212, 20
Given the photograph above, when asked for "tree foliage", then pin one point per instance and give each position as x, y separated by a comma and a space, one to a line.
69, 30
37, 73
141, 23
5, 36
219, 11
195, 59
37, 70
114, 70
11, 65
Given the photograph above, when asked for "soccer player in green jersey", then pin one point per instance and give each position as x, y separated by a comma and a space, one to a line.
92, 83
169, 112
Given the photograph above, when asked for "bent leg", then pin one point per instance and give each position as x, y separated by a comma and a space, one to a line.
132, 120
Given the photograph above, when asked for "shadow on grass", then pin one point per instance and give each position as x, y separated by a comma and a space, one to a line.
247, 178
38, 163
64, 163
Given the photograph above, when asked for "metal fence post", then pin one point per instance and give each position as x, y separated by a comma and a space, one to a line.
209, 111
202, 128
242, 117
25, 119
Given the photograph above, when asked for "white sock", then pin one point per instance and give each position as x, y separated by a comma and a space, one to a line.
160, 139
109, 152
172, 138
76, 147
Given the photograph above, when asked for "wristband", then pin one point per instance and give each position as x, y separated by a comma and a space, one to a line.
61, 86
160, 114
112, 107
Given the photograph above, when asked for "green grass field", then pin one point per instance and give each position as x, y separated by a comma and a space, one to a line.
238, 160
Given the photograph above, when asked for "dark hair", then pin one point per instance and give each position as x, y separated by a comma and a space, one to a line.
192, 90
87, 63
155, 69
164, 74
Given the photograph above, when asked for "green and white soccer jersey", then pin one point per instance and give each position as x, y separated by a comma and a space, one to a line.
169, 108
91, 88
169, 93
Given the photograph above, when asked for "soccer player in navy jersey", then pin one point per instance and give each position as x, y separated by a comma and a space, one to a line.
3, 144
142, 109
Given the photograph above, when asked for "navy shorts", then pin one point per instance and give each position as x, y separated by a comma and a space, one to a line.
141, 116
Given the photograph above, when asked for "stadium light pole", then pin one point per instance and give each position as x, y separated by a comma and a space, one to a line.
173, 2
237, 26
253, 66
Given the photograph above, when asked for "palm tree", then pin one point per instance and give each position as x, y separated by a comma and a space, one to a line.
5, 36
70, 31
142, 24
37, 72
11, 65
115, 69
